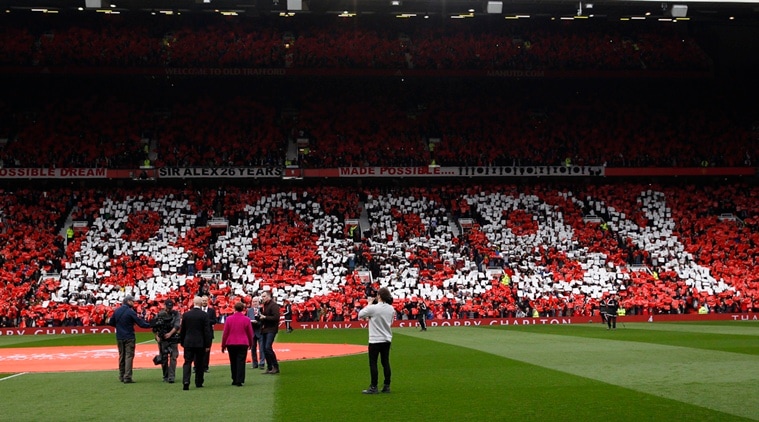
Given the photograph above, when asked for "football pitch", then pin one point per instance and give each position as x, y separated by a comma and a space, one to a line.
685, 371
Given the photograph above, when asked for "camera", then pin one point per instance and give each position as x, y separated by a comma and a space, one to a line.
162, 324
163, 357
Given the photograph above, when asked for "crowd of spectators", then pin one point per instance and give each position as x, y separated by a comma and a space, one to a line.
123, 129
387, 123
664, 249
175, 122
329, 43
480, 124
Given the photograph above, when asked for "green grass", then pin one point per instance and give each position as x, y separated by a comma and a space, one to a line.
675, 371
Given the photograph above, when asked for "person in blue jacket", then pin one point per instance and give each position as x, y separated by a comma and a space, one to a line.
124, 319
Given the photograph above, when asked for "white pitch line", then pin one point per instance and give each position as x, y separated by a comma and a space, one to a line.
13, 376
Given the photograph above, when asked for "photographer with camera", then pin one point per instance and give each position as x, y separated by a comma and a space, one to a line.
380, 314
166, 328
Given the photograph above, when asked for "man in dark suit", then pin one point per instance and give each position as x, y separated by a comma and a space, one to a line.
195, 338
211, 311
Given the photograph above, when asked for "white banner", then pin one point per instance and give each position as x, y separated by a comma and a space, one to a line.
528, 171
434, 171
219, 172
53, 173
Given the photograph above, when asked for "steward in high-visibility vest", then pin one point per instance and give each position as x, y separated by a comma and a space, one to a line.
352, 231
505, 279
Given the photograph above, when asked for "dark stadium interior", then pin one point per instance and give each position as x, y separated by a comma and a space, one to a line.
541, 8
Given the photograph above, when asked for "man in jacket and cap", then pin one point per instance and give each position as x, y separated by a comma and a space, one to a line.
166, 329
124, 319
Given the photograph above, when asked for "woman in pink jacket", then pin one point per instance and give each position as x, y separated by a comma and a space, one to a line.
237, 338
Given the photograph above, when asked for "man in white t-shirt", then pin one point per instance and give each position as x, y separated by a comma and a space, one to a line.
380, 316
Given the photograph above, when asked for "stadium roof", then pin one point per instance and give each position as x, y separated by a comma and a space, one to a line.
715, 10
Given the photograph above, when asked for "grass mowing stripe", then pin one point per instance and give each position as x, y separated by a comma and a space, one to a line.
712, 379
690, 336
735, 329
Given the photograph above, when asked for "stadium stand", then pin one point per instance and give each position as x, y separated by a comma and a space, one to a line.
97, 95
529, 249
